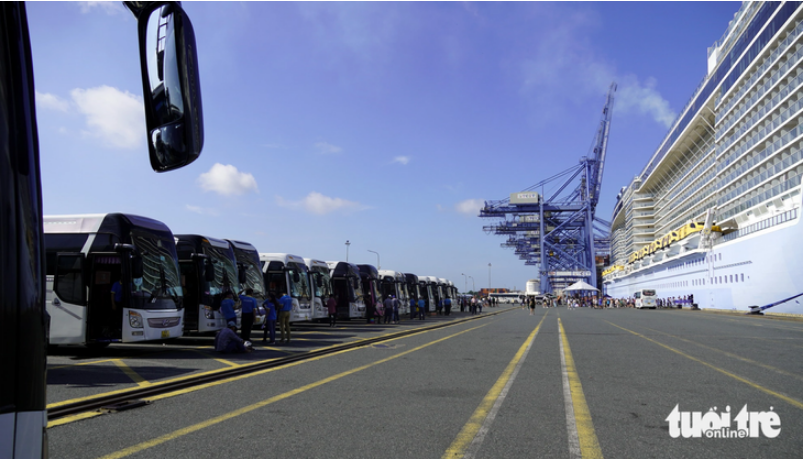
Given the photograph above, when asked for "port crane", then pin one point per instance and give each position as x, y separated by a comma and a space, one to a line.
557, 230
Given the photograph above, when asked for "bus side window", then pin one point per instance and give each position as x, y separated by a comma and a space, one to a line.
69, 278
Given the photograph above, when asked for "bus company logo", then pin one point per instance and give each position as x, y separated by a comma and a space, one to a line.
713, 424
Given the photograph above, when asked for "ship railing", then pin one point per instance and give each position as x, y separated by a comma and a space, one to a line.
761, 225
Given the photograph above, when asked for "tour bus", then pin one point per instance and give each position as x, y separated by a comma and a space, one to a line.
646, 298
427, 292
437, 295
249, 275
394, 283
444, 287
369, 277
345, 279
413, 289
111, 278
285, 273
321, 287
208, 271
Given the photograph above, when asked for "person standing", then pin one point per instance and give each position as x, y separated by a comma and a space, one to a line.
271, 306
249, 305
447, 306
422, 314
227, 308
387, 305
395, 309
331, 306
413, 307
286, 304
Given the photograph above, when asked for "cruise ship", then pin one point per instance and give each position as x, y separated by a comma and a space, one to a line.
716, 211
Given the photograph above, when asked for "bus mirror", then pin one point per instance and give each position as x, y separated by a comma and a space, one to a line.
209, 271
171, 86
136, 267
241, 271
296, 277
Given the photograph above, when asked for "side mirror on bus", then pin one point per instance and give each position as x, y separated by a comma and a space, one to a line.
137, 269
209, 270
170, 84
241, 273
296, 278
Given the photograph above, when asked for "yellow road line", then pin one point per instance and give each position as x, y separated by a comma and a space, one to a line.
783, 397
68, 419
223, 361
732, 355
139, 380
218, 419
586, 435
73, 418
471, 429
82, 363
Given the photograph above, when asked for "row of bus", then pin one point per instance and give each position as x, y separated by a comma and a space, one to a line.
125, 278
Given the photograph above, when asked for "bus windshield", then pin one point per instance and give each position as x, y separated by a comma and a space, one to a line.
648, 292
253, 272
160, 286
225, 271
301, 288
320, 281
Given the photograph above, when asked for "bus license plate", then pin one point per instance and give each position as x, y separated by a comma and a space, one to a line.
165, 333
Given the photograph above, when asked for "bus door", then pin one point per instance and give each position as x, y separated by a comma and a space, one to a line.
107, 297
191, 283
66, 299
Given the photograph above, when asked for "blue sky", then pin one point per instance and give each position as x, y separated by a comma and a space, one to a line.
385, 124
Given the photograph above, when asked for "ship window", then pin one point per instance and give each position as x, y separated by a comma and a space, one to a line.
731, 278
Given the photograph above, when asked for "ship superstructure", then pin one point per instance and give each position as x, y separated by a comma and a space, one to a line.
716, 209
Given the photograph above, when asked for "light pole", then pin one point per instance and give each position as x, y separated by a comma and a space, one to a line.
378, 266
473, 285
465, 283
489, 276
347, 251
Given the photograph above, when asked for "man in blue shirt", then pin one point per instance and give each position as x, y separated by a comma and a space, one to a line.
271, 305
447, 305
227, 308
227, 342
413, 306
422, 314
248, 305
284, 316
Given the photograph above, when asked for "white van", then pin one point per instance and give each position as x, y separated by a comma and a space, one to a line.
646, 298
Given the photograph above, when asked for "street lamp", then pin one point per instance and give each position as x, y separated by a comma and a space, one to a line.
473, 285
489, 276
465, 283
378, 266
347, 251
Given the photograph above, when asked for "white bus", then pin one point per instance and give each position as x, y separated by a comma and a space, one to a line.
285, 273
249, 275
428, 287
321, 287
345, 279
646, 298
413, 287
208, 271
394, 283
111, 278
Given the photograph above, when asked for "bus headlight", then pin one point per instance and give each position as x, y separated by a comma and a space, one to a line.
209, 313
134, 319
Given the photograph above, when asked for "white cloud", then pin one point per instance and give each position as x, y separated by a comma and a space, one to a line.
645, 100
203, 210
318, 204
49, 101
470, 206
327, 148
403, 160
110, 8
227, 180
115, 117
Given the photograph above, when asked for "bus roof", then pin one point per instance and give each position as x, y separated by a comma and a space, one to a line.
197, 238
93, 223
283, 257
242, 245
313, 263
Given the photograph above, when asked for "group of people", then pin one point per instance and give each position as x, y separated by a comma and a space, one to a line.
276, 310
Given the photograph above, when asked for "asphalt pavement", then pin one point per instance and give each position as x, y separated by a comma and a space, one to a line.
560, 383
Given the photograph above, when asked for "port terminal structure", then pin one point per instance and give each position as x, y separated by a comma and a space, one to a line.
573, 237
